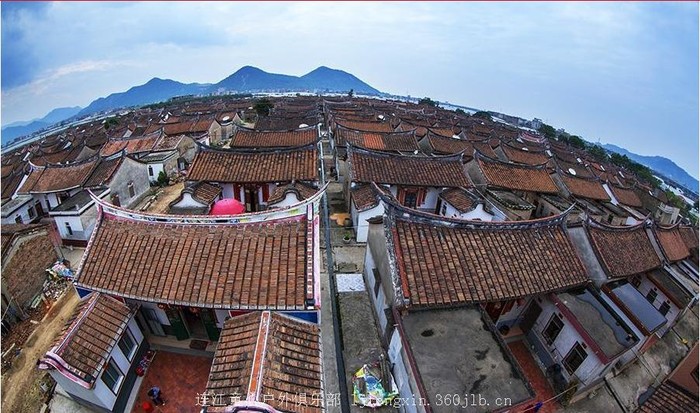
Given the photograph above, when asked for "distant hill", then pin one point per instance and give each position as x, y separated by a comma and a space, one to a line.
16, 129
661, 165
155, 90
322, 79
325, 78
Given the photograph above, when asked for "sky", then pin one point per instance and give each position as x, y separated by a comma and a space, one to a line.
622, 73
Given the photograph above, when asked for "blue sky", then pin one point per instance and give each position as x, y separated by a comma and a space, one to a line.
623, 73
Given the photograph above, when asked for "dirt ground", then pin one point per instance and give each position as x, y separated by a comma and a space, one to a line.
166, 195
21, 390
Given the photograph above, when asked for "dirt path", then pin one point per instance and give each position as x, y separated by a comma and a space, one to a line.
166, 195
20, 386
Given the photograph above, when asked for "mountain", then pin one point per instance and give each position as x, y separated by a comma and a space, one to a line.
155, 90
16, 129
325, 78
246, 79
252, 79
661, 165
322, 79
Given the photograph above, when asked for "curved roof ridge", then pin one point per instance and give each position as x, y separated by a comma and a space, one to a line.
247, 150
397, 210
253, 130
106, 208
588, 222
485, 158
355, 148
509, 145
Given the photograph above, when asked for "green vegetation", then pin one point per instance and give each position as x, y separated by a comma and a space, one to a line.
482, 115
113, 121
427, 101
460, 111
640, 170
351, 93
262, 106
548, 131
598, 153
163, 178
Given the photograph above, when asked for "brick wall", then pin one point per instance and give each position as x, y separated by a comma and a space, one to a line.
25, 271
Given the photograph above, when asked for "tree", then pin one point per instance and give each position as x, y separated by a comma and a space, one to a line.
577, 142
548, 131
598, 153
482, 115
163, 178
262, 106
427, 101
351, 93
113, 121
695, 204
460, 111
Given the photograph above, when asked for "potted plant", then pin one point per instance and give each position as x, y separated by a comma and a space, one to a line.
347, 237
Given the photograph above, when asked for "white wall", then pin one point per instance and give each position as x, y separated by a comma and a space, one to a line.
227, 191
478, 213
289, 199
22, 212
567, 338
644, 288
157, 168
359, 219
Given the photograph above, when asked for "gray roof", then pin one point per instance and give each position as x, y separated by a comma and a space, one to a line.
456, 353
12, 205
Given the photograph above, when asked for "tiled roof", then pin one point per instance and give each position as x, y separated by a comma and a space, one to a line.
397, 141
273, 356
581, 170
690, 237
103, 172
55, 178
671, 243
366, 126
250, 167
669, 398
458, 198
585, 188
11, 184
448, 262
364, 196
241, 265
516, 177
302, 191
131, 145
626, 196
205, 192
622, 251
366, 166
245, 138
441, 144
524, 157
90, 335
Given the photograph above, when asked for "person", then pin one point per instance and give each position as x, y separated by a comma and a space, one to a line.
155, 394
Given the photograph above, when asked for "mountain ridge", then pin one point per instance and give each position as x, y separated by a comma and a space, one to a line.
660, 165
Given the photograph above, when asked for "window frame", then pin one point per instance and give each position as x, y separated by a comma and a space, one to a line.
68, 228
576, 350
130, 188
119, 379
651, 295
664, 308
553, 322
132, 351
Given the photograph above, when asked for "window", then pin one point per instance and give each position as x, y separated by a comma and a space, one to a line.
130, 186
553, 329
112, 376
69, 229
651, 295
636, 281
18, 219
575, 358
150, 170
31, 212
664, 308
377, 281
127, 344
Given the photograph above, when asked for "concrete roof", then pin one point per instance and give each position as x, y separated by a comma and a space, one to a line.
462, 356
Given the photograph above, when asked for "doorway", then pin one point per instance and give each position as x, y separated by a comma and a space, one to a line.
194, 322
251, 199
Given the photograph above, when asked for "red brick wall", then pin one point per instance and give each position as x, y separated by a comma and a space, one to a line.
25, 273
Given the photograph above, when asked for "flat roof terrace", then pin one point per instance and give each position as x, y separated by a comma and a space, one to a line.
457, 355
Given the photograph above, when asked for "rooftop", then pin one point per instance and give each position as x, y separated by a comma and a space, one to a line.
448, 262
516, 177
367, 166
254, 261
215, 165
606, 329
273, 356
636, 304
470, 360
622, 251
87, 339
247, 138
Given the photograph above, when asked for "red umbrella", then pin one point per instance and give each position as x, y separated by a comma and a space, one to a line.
228, 206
